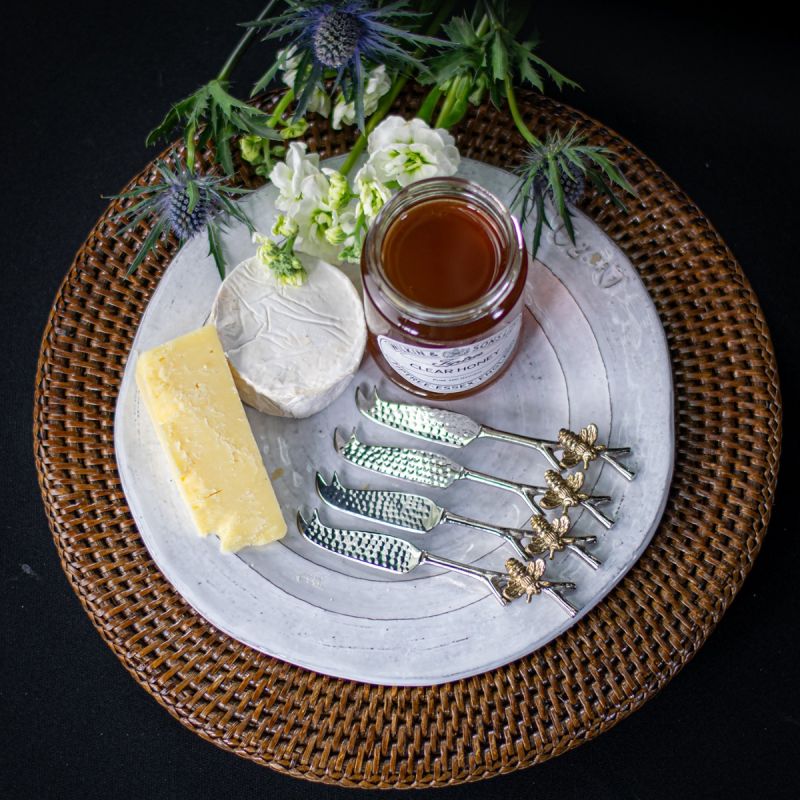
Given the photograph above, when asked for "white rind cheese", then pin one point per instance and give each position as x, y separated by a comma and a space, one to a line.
292, 349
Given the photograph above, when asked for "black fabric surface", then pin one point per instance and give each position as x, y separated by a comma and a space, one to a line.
711, 97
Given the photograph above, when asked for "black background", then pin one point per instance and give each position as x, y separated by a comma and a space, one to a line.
710, 96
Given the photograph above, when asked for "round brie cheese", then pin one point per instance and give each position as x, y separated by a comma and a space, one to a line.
292, 349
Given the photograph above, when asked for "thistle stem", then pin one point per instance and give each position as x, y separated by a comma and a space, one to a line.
243, 44
526, 132
388, 99
283, 104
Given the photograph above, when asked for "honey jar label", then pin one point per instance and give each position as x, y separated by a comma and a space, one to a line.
449, 370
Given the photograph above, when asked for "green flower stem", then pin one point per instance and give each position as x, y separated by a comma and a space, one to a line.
190, 149
459, 86
388, 99
526, 132
429, 104
244, 43
462, 85
382, 110
283, 104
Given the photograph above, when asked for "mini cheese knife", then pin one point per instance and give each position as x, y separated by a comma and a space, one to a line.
434, 469
419, 514
458, 430
397, 555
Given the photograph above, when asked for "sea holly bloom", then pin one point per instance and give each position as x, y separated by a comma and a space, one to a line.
184, 203
376, 86
337, 38
404, 151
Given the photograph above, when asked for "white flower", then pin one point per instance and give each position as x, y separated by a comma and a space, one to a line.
342, 231
372, 194
404, 151
338, 189
291, 176
376, 85
289, 60
284, 226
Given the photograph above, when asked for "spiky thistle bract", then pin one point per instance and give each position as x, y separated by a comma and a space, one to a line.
184, 203
336, 38
216, 115
557, 169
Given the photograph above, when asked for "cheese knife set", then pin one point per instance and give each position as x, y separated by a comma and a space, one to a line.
418, 514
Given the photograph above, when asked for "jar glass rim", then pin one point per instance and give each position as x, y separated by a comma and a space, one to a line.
443, 188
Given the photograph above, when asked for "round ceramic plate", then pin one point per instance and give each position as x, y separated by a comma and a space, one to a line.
593, 350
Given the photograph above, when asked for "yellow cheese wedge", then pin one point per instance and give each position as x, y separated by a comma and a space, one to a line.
191, 398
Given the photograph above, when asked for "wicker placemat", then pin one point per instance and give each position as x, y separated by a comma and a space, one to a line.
727, 406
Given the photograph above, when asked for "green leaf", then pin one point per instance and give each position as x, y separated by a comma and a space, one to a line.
560, 80
265, 79
558, 196
529, 74
194, 195
223, 144
147, 245
221, 97
215, 249
537, 231
461, 31
499, 58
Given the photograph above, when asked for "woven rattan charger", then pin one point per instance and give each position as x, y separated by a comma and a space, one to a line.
728, 424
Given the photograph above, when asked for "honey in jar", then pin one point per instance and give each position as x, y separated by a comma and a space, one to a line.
444, 267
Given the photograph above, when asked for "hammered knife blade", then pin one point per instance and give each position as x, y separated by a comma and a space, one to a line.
397, 555
419, 514
454, 429
425, 467
437, 425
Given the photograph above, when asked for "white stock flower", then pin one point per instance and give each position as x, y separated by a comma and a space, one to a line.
342, 230
404, 151
289, 60
372, 194
291, 176
338, 189
375, 87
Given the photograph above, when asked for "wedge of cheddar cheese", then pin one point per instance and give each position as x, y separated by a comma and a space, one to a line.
191, 398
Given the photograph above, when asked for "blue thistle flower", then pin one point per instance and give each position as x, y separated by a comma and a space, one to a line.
335, 38
557, 170
185, 203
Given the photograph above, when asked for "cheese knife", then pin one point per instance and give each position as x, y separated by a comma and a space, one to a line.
397, 555
419, 514
454, 429
434, 469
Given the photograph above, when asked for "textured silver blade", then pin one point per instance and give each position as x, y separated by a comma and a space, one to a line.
419, 466
431, 424
375, 549
411, 512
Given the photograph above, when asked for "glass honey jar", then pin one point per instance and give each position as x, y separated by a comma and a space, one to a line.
444, 267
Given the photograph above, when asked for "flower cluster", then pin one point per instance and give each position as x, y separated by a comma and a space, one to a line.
322, 215
286, 266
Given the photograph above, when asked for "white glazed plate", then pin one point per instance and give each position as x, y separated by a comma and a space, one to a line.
593, 350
